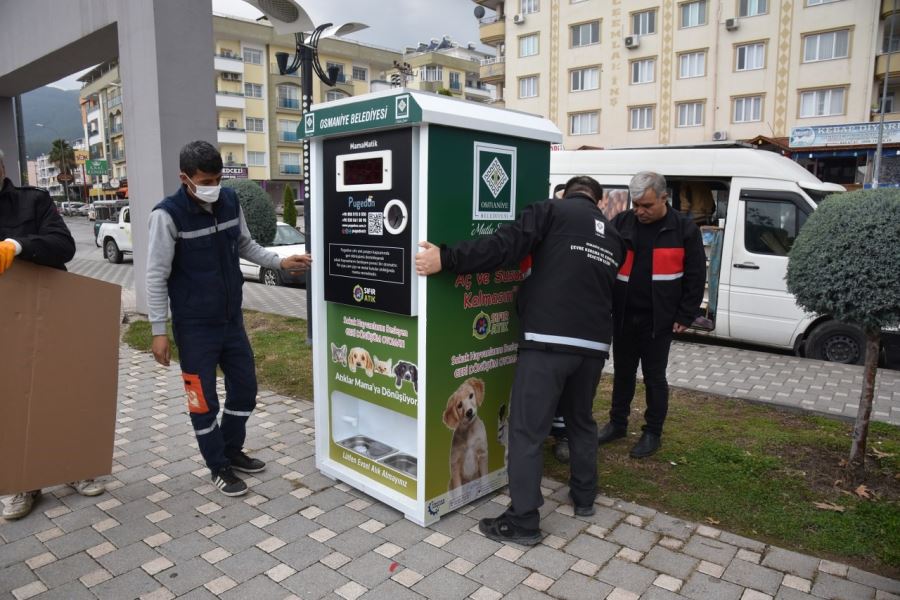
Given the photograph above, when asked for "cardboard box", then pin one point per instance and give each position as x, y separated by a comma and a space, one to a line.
59, 362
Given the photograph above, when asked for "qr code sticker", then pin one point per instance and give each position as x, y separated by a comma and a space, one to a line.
376, 223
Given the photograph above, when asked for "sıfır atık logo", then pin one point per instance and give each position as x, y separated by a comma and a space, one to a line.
309, 123
494, 185
357, 293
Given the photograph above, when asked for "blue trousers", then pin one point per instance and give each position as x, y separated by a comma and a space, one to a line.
202, 348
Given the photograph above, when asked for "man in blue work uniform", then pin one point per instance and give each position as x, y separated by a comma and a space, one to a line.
197, 236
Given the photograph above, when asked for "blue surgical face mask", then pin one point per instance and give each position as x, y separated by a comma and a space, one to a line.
205, 193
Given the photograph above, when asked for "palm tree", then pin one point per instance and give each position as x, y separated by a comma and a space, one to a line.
62, 155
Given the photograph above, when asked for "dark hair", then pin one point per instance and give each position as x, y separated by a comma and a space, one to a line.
584, 185
199, 156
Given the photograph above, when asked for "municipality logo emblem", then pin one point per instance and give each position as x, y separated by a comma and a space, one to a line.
599, 227
495, 177
401, 107
309, 124
494, 182
358, 293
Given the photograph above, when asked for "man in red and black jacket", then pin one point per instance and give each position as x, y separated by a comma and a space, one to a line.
657, 293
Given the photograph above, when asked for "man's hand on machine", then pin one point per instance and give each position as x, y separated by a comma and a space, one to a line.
428, 260
296, 262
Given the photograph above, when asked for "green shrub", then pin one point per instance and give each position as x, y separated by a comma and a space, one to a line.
258, 209
290, 210
846, 260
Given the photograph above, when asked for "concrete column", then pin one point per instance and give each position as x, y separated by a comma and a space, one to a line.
168, 89
8, 142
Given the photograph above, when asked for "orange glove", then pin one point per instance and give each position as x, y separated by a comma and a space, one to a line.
7, 253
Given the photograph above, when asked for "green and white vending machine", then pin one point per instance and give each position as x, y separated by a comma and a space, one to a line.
412, 374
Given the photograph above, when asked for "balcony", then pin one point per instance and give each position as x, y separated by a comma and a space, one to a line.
231, 136
230, 100
289, 169
478, 94
881, 64
455, 86
117, 129
288, 103
491, 4
228, 64
493, 70
288, 136
118, 155
492, 30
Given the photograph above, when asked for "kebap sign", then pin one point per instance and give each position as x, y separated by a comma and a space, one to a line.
849, 134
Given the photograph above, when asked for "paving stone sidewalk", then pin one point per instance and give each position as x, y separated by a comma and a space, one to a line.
163, 531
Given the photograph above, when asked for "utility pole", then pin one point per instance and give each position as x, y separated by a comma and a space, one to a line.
887, 75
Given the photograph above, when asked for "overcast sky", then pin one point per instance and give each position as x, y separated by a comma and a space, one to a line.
394, 24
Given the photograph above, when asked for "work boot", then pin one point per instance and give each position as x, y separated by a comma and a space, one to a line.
241, 462
647, 445
88, 487
20, 505
229, 483
609, 433
561, 450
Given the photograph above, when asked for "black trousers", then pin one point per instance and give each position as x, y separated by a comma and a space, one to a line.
635, 342
543, 381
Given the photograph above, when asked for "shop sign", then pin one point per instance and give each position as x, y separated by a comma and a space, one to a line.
386, 111
96, 167
848, 134
234, 172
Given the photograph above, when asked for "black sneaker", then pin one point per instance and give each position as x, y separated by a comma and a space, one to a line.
561, 450
502, 529
243, 463
229, 483
647, 445
583, 511
609, 433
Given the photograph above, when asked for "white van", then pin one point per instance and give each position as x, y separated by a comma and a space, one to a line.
750, 205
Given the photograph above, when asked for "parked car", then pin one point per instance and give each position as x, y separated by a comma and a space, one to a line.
287, 241
70, 209
82, 211
115, 237
105, 211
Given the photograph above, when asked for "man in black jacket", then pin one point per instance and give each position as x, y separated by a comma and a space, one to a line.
658, 291
32, 230
565, 310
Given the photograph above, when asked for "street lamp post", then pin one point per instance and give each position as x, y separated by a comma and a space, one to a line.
306, 59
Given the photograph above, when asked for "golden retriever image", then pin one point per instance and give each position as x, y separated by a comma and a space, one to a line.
468, 450
360, 359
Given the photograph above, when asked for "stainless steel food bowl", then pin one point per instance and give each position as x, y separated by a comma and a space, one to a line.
366, 446
402, 462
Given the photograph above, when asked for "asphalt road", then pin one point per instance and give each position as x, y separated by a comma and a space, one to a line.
89, 261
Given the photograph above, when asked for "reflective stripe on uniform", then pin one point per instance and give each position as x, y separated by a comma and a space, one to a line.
209, 230
668, 277
566, 341
621, 277
209, 429
237, 413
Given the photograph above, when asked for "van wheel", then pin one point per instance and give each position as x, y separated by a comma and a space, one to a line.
111, 251
837, 342
269, 277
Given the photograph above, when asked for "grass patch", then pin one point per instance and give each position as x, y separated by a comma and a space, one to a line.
757, 471
283, 360
749, 469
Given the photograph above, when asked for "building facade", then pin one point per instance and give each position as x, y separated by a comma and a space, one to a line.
647, 72
449, 68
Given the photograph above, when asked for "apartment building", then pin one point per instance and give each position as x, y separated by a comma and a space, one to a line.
647, 72
450, 68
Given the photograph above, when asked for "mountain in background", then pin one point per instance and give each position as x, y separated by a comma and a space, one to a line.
58, 110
